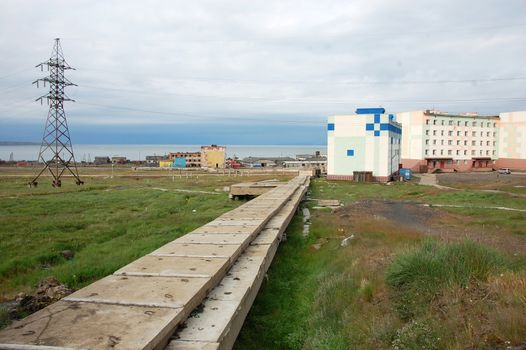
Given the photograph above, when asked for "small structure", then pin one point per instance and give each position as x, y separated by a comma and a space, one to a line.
118, 160
368, 141
166, 163
154, 160
213, 157
101, 160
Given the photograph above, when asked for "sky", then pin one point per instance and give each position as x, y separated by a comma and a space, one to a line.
255, 72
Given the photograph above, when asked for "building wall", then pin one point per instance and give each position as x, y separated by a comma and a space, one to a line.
213, 157
455, 142
512, 136
362, 142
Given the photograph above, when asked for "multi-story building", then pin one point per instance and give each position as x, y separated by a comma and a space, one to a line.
213, 157
191, 159
460, 142
367, 142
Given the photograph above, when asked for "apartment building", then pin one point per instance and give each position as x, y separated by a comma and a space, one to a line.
462, 142
185, 159
367, 142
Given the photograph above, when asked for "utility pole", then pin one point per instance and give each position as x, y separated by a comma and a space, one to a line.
56, 139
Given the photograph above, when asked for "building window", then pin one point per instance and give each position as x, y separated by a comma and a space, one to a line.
493, 152
441, 152
458, 133
442, 133
473, 133
449, 152
434, 152
450, 122
487, 143
450, 133
458, 152
465, 123
465, 161
458, 142
427, 142
481, 143
487, 124
465, 142
434, 122
427, 132
442, 122
442, 142
474, 124
494, 134
494, 125
458, 123
434, 142
487, 134
465, 133
481, 134
350, 152
465, 152
449, 142
487, 153
434, 133
480, 152
426, 152
427, 121
494, 143
473, 152
473, 143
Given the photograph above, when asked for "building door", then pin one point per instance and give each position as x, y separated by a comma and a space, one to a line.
441, 164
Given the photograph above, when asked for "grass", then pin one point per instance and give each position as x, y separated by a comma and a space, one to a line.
107, 223
391, 288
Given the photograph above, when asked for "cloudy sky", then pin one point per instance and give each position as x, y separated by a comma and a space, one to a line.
256, 72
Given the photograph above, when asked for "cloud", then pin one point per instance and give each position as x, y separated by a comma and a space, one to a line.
263, 62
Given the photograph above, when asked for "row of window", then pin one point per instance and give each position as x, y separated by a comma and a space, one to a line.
474, 123
459, 133
473, 142
458, 152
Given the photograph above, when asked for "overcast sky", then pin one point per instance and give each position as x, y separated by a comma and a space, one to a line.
256, 72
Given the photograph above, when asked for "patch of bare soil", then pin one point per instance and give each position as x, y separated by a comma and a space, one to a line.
412, 218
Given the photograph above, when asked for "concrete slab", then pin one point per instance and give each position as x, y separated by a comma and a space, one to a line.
226, 229
174, 266
267, 236
191, 345
93, 326
198, 250
145, 291
213, 238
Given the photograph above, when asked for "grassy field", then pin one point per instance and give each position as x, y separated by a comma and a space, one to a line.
106, 223
421, 278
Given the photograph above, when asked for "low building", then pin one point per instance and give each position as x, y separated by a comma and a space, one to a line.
320, 164
265, 162
191, 159
118, 160
101, 160
367, 142
166, 163
213, 157
154, 160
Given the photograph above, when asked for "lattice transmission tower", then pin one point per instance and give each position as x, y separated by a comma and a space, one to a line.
56, 151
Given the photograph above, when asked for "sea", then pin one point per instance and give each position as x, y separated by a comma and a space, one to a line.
85, 152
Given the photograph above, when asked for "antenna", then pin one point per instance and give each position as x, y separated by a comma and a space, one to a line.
56, 139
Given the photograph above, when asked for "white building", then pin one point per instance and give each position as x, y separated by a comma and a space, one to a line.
462, 142
368, 141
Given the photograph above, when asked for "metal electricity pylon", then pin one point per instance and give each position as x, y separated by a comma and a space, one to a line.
56, 151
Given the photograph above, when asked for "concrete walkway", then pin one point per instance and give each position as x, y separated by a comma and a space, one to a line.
141, 305
431, 180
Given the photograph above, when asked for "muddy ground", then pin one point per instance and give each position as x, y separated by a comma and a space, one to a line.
414, 219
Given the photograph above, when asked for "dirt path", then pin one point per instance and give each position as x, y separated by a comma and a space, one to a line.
431, 180
417, 219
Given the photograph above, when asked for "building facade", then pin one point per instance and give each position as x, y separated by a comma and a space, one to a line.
191, 159
462, 142
368, 141
213, 157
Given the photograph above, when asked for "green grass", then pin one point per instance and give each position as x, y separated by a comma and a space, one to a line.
418, 275
107, 223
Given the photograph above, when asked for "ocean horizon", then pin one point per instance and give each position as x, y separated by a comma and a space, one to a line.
85, 152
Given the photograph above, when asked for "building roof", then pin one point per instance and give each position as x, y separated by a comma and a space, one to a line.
370, 110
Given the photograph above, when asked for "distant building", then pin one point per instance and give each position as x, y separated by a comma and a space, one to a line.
320, 164
101, 160
434, 140
213, 157
265, 162
191, 159
367, 142
166, 163
119, 160
154, 160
